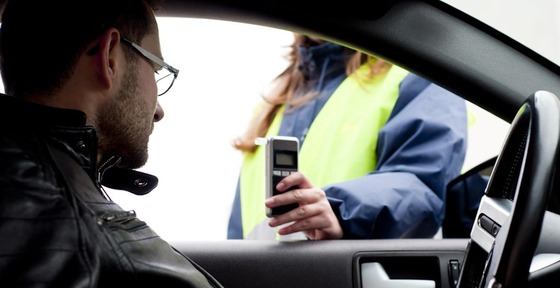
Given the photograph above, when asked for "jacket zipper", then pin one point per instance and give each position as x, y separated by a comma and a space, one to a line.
110, 162
118, 218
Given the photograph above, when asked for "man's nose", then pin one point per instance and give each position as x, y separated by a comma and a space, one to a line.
159, 113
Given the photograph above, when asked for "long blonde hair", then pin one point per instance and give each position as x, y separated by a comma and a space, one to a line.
287, 83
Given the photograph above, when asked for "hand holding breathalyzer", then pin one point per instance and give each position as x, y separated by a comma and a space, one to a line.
314, 216
290, 196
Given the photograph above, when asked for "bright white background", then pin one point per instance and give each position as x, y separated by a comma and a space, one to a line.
224, 67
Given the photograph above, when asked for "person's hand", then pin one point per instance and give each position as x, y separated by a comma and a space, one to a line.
314, 216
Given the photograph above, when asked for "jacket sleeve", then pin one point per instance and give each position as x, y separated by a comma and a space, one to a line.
420, 149
39, 232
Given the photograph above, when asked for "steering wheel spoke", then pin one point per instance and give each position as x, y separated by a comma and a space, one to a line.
510, 216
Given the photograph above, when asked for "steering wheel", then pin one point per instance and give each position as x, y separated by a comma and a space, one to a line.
510, 216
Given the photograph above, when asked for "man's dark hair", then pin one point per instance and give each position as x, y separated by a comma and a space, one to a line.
40, 40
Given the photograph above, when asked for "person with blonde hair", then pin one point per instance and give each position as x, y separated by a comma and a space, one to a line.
377, 147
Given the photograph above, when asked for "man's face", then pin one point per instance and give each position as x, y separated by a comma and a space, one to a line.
128, 119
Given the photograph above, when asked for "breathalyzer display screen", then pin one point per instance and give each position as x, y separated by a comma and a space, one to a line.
285, 158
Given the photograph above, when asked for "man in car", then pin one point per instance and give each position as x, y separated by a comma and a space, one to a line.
82, 104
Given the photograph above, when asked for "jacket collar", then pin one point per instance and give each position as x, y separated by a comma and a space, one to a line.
68, 130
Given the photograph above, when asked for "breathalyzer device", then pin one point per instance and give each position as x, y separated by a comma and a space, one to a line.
281, 161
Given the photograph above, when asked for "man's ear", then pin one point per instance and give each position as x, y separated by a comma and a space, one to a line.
106, 52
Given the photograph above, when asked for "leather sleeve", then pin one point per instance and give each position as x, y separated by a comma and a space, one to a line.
38, 231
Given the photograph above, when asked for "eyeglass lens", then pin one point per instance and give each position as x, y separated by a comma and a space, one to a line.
164, 82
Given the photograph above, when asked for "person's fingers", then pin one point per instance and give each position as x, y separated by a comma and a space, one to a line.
297, 196
294, 179
301, 212
313, 216
321, 226
312, 202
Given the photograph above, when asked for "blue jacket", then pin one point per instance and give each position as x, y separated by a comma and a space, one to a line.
420, 149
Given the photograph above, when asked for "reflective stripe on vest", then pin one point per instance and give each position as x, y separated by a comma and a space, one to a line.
340, 144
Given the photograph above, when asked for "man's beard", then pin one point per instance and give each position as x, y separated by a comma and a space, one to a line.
123, 125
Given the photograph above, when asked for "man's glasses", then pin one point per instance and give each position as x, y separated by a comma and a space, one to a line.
164, 80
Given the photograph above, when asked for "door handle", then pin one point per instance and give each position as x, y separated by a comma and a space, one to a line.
374, 276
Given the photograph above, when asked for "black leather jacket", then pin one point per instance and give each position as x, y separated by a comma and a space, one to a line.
56, 227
